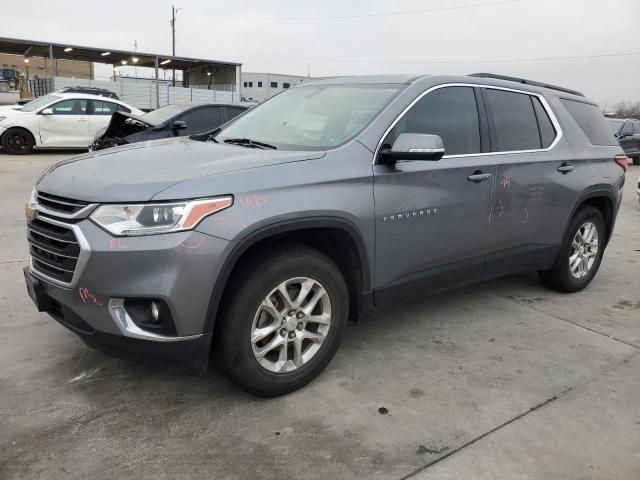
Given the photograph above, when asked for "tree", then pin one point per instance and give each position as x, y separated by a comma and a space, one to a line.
628, 110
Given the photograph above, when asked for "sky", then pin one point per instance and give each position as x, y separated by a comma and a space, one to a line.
533, 39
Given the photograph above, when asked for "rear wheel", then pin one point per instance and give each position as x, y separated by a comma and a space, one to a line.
17, 141
283, 321
580, 254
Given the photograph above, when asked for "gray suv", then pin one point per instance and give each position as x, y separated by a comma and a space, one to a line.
259, 241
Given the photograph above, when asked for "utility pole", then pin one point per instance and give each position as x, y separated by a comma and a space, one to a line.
173, 40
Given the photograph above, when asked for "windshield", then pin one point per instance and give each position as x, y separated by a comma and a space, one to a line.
311, 117
163, 114
615, 125
38, 103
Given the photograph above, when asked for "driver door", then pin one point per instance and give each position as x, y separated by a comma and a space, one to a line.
432, 217
67, 125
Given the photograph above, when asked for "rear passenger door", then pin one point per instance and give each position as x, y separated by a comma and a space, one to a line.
532, 200
432, 217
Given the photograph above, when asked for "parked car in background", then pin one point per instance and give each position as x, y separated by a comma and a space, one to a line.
170, 121
627, 131
60, 120
260, 241
102, 92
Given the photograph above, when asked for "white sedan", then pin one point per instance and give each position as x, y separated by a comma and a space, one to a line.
58, 120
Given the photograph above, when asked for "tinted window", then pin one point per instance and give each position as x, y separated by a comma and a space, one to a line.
515, 125
547, 131
628, 129
591, 121
449, 112
103, 108
202, 119
232, 112
70, 107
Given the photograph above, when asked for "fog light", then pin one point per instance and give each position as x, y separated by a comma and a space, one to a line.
155, 311
151, 314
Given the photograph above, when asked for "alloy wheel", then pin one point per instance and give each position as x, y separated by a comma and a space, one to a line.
290, 325
584, 250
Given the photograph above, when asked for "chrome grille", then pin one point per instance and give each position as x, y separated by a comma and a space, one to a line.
54, 248
60, 205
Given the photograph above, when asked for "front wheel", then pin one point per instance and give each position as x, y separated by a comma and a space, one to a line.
17, 141
580, 254
283, 320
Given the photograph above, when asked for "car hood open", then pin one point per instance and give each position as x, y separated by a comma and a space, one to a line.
137, 172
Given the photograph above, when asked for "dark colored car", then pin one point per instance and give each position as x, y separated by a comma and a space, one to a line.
627, 131
170, 121
103, 92
258, 242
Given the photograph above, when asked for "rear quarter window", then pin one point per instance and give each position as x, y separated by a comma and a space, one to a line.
591, 121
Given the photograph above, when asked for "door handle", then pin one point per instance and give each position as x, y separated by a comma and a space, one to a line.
478, 177
82, 120
566, 168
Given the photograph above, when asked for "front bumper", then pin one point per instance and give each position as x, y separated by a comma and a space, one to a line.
178, 269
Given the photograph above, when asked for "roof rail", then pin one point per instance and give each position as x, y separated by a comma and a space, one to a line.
526, 82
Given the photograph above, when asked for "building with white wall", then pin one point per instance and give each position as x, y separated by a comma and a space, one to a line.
259, 86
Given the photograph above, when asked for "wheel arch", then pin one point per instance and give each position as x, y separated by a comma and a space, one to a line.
19, 127
604, 200
356, 268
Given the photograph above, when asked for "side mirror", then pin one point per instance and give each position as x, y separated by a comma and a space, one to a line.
46, 111
178, 125
414, 146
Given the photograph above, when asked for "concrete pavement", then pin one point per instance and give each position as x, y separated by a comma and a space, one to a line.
500, 380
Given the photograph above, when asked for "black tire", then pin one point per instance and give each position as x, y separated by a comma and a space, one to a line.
559, 277
18, 141
251, 282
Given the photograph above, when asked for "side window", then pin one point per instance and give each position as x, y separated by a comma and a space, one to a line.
591, 121
122, 108
514, 121
70, 107
103, 108
202, 119
636, 127
547, 130
449, 112
628, 129
232, 112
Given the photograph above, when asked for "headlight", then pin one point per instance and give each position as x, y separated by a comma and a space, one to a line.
150, 218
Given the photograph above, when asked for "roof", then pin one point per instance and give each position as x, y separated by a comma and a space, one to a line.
36, 48
355, 79
484, 79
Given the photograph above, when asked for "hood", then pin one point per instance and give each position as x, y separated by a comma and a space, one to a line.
137, 172
4, 108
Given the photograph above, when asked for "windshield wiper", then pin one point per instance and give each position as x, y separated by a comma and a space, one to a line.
247, 142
